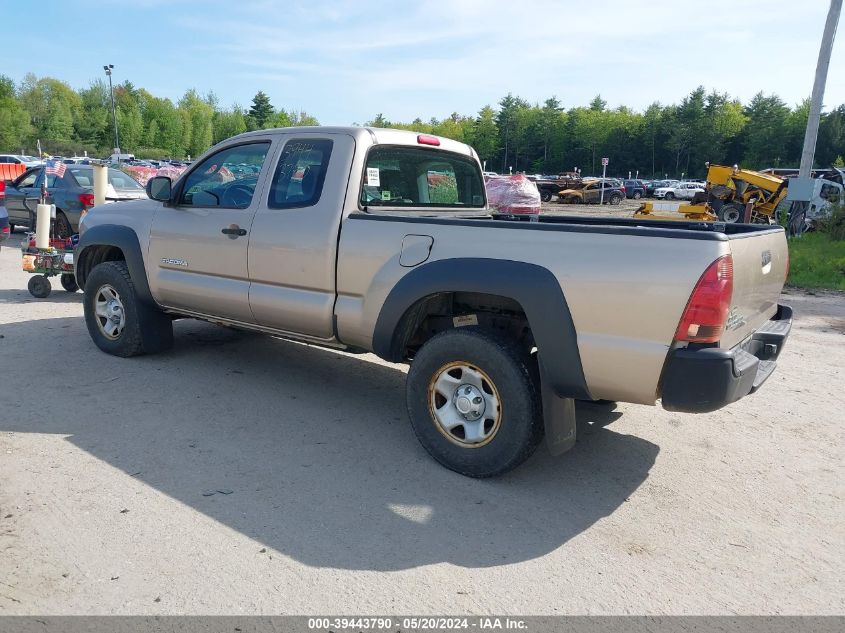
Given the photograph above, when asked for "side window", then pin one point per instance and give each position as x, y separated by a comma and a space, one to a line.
226, 179
300, 174
28, 180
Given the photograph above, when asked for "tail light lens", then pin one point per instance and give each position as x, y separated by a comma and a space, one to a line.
2, 189
427, 139
707, 310
86, 199
786, 273
5, 230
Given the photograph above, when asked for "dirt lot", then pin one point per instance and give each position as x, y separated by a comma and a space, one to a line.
242, 474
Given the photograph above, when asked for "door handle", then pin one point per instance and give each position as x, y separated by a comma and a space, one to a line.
233, 231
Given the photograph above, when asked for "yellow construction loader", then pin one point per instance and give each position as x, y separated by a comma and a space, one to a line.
731, 195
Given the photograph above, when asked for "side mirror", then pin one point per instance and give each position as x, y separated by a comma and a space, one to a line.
159, 188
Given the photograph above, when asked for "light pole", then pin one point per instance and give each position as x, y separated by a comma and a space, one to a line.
108, 69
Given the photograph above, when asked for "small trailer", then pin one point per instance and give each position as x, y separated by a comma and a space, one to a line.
43, 263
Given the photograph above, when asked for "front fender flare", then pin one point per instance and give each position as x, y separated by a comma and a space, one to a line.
126, 240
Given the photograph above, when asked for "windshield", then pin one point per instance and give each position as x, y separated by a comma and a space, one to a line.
415, 177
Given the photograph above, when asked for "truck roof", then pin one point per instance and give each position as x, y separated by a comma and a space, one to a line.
376, 135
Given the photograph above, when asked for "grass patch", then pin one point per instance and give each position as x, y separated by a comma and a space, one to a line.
816, 261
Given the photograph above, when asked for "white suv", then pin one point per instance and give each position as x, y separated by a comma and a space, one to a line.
681, 190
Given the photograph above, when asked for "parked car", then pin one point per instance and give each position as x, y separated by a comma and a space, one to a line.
73, 194
381, 240
591, 193
20, 159
634, 189
681, 191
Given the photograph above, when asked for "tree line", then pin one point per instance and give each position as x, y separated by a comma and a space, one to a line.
663, 140
68, 121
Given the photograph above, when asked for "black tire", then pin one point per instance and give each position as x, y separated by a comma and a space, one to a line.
512, 373
615, 199
61, 226
39, 286
11, 227
69, 282
669, 196
637, 195
731, 213
546, 196
145, 330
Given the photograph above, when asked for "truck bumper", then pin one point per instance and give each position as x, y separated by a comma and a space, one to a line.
705, 379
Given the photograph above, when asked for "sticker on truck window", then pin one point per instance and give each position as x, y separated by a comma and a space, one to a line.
373, 179
385, 195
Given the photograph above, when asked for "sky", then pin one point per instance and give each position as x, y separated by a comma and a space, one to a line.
346, 61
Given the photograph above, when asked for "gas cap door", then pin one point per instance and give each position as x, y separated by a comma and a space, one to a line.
415, 250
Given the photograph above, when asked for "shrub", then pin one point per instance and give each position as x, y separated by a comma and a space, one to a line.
834, 224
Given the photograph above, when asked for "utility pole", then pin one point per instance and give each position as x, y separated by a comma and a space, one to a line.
812, 132
800, 192
108, 68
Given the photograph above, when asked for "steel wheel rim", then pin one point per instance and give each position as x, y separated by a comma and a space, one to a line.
732, 216
454, 392
109, 311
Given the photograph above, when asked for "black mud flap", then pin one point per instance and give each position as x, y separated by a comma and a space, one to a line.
558, 419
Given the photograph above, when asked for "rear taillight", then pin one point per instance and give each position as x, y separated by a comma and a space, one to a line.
6, 230
707, 310
786, 273
2, 189
86, 199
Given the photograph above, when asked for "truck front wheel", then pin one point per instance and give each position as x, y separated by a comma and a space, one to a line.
546, 196
474, 403
119, 324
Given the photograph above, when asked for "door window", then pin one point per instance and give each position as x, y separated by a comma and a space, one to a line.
300, 174
28, 180
227, 178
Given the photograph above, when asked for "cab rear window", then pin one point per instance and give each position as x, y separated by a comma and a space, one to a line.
415, 177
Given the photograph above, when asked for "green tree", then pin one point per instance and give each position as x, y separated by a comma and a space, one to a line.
14, 120
261, 109
765, 143
228, 123
485, 134
52, 106
197, 116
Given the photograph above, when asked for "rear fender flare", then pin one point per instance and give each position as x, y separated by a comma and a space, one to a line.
535, 288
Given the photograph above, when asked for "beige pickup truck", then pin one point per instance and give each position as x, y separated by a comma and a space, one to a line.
376, 240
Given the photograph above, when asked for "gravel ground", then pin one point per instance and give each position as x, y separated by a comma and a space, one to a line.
242, 474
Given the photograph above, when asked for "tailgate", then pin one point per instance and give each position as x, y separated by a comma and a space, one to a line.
760, 267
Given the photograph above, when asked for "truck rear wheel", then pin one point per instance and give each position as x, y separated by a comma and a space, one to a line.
546, 196
119, 324
474, 403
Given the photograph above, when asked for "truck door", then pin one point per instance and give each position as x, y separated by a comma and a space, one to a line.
198, 243
293, 249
